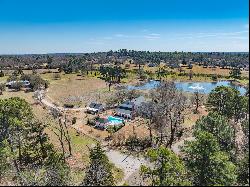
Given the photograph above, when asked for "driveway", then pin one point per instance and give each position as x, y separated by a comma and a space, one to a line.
129, 164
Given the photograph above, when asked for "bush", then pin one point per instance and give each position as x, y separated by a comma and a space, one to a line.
2, 88
136, 143
74, 120
90, 122
1, 74
214, 77
46, 84
56, 76
67, 105
113, 129
35, 81
127, 66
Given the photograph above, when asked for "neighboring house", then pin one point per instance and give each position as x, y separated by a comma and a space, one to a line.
95, 108
11, 83
128, 109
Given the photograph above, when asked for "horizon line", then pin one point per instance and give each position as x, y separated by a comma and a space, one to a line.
48, 53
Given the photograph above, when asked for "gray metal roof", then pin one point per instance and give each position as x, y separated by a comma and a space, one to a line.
95, 105
122, 111
138, 101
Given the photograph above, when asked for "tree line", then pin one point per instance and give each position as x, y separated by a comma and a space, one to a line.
222, 59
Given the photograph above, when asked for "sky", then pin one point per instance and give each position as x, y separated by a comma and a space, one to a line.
77, 26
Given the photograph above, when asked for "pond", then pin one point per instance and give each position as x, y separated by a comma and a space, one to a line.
202, 87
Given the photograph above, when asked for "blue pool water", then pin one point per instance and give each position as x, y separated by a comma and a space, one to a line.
203, 87
115, 120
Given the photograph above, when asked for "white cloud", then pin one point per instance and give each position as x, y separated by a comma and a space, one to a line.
154, 34
107, 38
119, 35
151, 37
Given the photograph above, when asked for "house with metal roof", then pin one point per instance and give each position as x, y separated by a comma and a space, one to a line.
25, 83
127, 109
95, 108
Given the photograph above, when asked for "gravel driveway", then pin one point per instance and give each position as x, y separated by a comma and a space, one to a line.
129, 164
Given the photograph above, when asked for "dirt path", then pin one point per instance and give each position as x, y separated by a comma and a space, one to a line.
51, 105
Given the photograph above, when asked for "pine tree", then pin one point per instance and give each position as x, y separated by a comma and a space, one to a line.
168, 170
207, 165
99, 172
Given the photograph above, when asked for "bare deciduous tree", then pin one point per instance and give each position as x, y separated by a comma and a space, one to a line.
197, 100
62, 131
169, 105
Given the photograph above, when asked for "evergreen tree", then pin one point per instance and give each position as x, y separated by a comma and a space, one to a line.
219, 127
227, 101
24, 143
99, 172
243, 170
168, 169
207, 165
235, 73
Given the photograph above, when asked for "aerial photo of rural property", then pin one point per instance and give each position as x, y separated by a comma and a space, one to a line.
124, 93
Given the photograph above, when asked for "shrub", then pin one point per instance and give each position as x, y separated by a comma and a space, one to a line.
214, 77
74, 120
1, 74
67, 105
113, 129
90, 122
137, 143
2, 88
56, 76
35, 81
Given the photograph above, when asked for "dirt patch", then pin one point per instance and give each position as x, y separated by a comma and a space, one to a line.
191, 118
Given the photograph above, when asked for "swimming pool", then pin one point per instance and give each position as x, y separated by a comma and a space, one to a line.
114, 120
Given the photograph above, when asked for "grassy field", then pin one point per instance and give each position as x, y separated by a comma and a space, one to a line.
75, 89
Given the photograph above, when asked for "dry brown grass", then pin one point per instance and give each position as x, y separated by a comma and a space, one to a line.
72, 88
196, 69
191, 118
